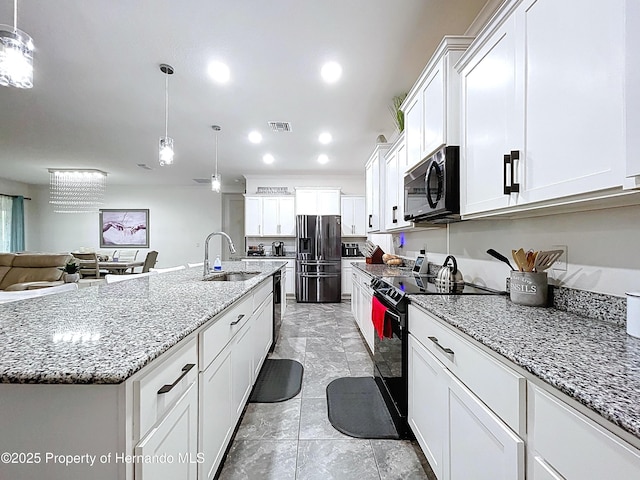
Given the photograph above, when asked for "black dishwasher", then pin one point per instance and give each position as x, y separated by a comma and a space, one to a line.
277, 307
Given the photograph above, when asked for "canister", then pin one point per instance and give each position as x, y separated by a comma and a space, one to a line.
529, 288
633, 314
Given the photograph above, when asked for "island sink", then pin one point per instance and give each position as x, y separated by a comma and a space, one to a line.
231, 276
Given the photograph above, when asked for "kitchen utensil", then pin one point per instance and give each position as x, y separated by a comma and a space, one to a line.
531, 260
520, 258
449, 278
546, 258
500, 257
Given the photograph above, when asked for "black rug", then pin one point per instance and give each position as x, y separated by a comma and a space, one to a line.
279, 380
356, 408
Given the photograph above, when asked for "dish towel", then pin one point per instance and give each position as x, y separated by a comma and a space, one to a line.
378, 317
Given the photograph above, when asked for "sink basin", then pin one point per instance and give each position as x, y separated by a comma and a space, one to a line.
232, 276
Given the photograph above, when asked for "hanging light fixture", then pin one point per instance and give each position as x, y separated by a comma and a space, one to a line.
216, 181
16, 55
76, 191
166, 142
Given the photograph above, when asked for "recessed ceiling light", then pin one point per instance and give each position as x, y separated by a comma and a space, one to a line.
255, 137
325, 137
331, 72
219, 72
268, 158
322, 158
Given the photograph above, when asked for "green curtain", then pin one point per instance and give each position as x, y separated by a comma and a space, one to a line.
17, 224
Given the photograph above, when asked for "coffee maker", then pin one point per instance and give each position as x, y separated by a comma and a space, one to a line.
277, 249
350, 250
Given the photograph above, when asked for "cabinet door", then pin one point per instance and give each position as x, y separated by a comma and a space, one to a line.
216, 426
391, 192
427, 403
490, 122
480, 445
270, 220
402, 168
291, 280
355, 296
434, 114
347, 211
262, 333
366, 325
413, 131
252, 216
359, 217
574, 109
241, 370
287, 217
306, 202
176, 435
346, 278
328, 202
373, 194
632, 93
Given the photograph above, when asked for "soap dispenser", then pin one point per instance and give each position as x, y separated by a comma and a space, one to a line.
217, 264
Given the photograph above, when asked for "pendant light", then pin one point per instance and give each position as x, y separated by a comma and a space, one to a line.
16, 55
166, 142
216, 181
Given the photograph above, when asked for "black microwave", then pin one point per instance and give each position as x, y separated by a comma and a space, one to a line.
432, 189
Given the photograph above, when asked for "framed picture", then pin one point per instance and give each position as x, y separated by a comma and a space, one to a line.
124, 228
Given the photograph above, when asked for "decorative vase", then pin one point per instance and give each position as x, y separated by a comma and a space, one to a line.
70, 277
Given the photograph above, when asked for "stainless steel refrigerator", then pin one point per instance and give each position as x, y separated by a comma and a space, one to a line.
318, 257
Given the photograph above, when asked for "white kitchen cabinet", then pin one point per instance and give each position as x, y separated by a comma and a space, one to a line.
632, 93
353, 211
361, 295
563, 443
427, 410
524, 91
347, 275
269, 216
262, 333
317, 201
175, 437
431, 109
375, 186
395, 165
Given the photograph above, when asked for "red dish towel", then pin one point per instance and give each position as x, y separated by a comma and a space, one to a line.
378, 317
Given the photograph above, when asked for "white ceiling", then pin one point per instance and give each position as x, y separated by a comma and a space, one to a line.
98, 96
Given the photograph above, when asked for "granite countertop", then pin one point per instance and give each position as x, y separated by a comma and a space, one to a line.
593, 361
104, 334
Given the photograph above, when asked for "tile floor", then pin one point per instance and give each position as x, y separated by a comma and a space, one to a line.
294, 439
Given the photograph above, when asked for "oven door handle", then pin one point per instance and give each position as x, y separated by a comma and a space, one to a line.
446, 350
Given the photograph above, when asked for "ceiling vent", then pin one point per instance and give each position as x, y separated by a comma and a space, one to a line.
280, 126
203, 180
144, 166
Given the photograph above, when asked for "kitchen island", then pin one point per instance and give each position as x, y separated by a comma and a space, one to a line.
85, 373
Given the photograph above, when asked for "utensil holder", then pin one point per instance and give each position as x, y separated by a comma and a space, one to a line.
529, 288
376, 256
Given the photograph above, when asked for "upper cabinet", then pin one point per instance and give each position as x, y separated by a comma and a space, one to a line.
375, 186
632, 93
317, 201
269, 216
353, 216
542, 105
432, 107
395, 166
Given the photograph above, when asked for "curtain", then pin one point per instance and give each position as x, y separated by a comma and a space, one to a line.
17, 224
6, 204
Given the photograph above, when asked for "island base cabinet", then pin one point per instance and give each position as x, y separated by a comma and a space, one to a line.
216, 425
170, 449
565, 443
241, 370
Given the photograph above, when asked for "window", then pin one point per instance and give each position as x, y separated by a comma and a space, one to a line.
5, 223
11, 223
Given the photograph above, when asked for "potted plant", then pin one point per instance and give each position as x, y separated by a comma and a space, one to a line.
396, 113
71, 272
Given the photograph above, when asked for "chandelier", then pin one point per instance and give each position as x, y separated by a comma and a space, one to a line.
16, 55
216, 181
166, 142
76, 191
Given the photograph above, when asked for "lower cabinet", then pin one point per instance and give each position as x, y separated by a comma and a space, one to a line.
361, 294
459, 435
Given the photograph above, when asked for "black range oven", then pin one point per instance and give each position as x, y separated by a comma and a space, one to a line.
391, 353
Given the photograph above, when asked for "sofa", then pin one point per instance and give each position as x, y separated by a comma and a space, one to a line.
26, 271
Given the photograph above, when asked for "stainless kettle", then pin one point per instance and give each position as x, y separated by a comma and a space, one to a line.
449, 278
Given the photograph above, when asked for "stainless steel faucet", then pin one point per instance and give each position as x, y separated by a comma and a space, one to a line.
232, 249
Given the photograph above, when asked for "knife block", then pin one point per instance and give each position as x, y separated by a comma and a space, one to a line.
376, 256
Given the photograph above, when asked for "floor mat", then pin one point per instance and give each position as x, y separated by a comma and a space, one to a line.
356, 408
279, 380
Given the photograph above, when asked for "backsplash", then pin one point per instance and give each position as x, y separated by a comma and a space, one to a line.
604, 307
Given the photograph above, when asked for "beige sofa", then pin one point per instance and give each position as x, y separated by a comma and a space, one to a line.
25, 271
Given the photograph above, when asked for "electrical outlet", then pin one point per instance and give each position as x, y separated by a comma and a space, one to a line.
561, 264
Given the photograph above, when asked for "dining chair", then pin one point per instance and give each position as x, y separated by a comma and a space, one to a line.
169, 269
89, 267
193, 265
150, 261
111, 278
6, 297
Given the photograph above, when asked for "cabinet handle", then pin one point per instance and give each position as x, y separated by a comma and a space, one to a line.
370, 218
185, 370
510, 160
394, 211
278, 228
259, 229
448, 351
238, 320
